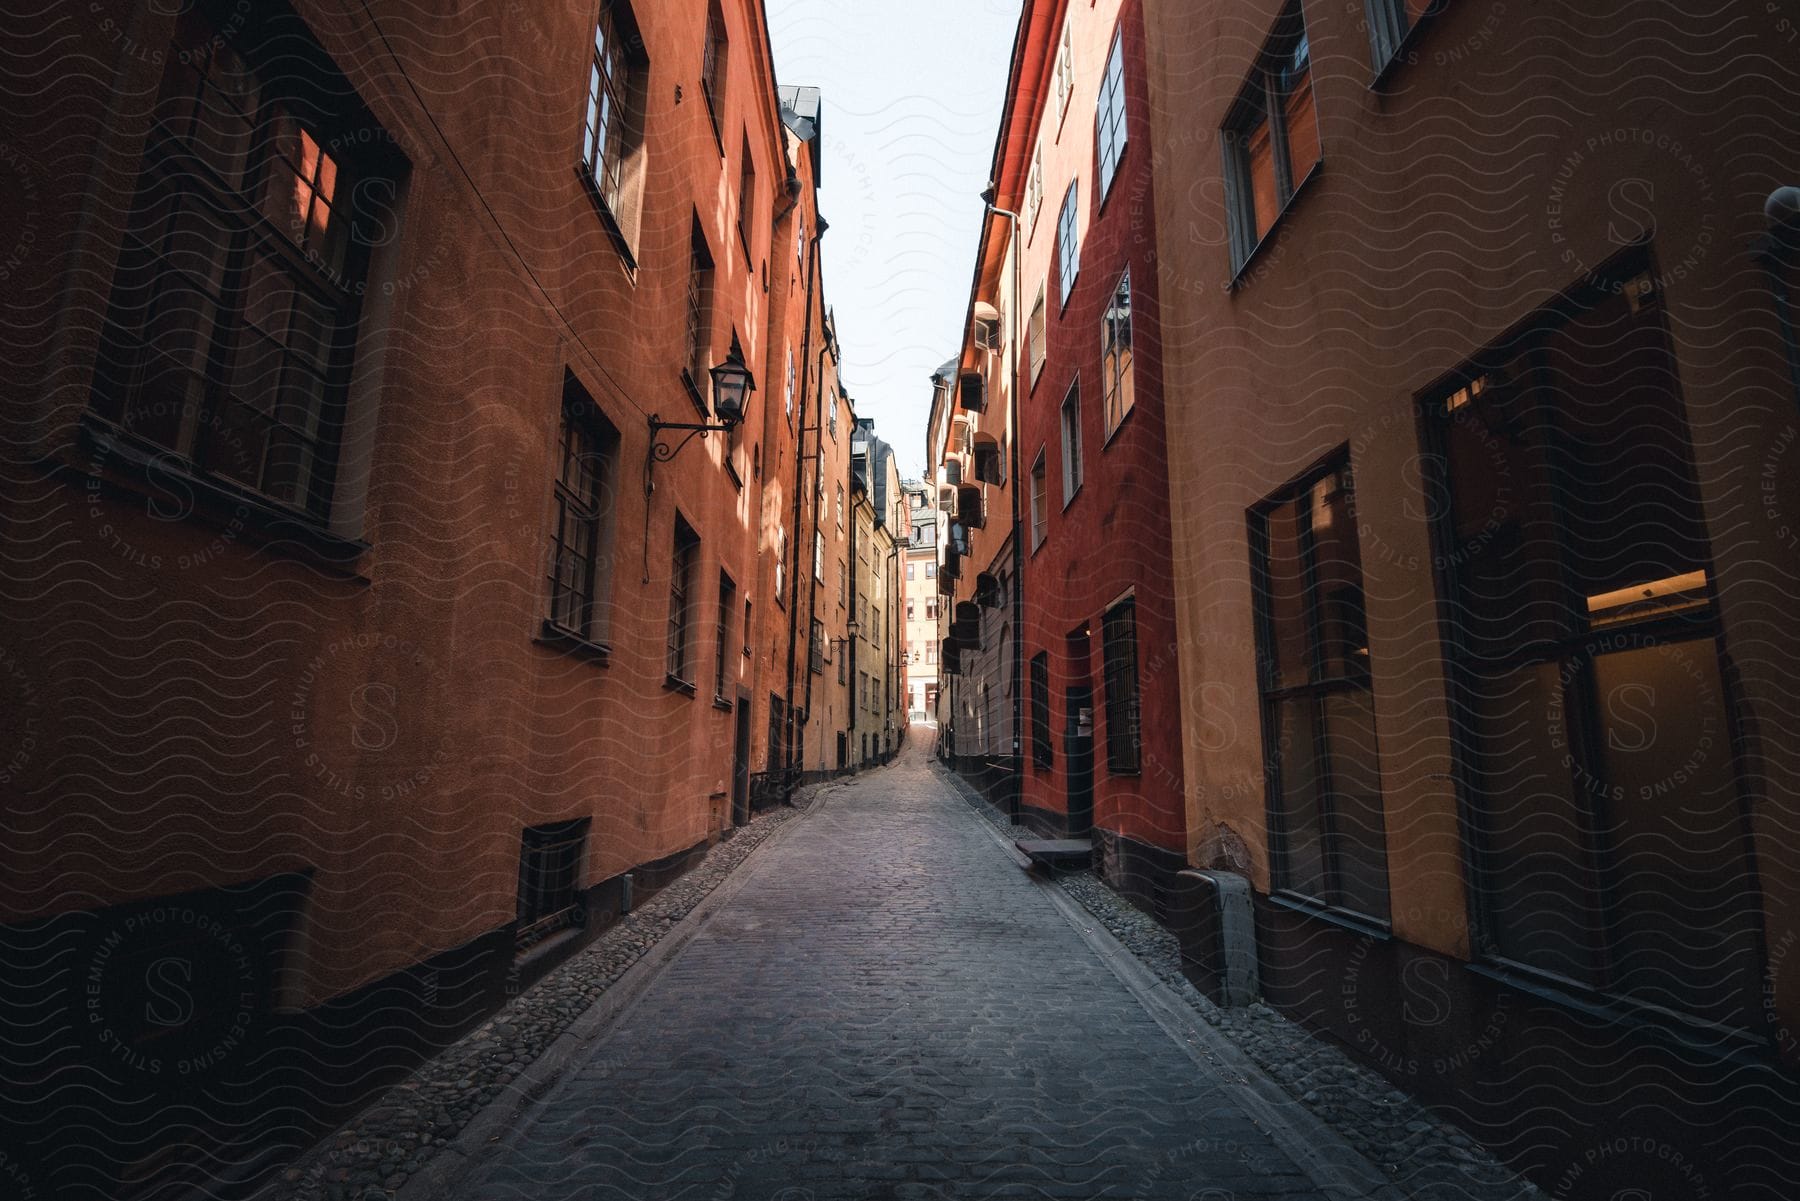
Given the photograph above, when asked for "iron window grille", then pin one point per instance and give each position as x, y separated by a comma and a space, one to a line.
1109, 115
1270, 139
1321, 759
550, 861
228, 334
1119, 657
583, 505
681, 583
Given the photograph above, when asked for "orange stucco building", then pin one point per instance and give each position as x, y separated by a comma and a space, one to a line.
1480, 441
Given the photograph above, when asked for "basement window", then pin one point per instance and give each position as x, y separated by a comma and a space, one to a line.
550, 859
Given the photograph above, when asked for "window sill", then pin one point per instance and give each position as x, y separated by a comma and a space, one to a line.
1684, 1030
1071, 498
677, 684
721, 704
1240, 277
608, 218
140, 464
564, 639
1347, 919
1111, 184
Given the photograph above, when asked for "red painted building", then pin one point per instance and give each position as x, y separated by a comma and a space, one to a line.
1091, 665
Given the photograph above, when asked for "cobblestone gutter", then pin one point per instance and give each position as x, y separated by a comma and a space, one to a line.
1427, 1158
376, 1153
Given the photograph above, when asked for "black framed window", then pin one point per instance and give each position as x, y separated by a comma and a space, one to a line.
550, 862
1328, 834
1109, 115
585, 477
1592, 706
1271, 137
612, 131
697, 340
681, 616
746, 217
818, 647
1068, 240
1391, 22
1119, 659
228, 336
721, 653
714, 55
1041, 752
1116, 376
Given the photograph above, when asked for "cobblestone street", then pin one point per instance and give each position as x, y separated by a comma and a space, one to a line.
890, 1008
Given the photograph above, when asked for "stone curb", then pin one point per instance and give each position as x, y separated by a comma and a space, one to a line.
1338, 1169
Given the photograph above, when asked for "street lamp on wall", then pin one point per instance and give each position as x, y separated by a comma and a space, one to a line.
732, 384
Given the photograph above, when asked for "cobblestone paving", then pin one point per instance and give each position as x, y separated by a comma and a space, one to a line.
888, 1009
387, 1143
1429, 1159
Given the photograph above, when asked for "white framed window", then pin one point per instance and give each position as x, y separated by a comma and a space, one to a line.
1065, 68
790, 383
1071, 443
1068, 241
1118, 393
1039, 515
1109, 115
1034, 190
1035, 334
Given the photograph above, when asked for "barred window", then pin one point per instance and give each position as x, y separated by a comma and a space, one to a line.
234, 311
583, 507
681, 584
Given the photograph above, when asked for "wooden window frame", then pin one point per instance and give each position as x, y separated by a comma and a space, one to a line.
1263, 102
684, 562
1117, 360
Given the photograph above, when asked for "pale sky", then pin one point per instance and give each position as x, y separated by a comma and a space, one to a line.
912, 92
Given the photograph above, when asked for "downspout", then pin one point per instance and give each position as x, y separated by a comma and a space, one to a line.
850, 643
793, 604
812, 591
1778, 248
1018, 534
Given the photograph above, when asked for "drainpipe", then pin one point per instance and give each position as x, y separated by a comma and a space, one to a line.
793, 602
812, 588
1776, 250
1018, 536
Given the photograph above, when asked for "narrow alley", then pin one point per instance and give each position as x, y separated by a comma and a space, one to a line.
886, 1006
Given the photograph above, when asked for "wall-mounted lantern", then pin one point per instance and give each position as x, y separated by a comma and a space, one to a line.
732, 384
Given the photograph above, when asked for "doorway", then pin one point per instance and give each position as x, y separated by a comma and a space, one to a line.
740, 764
1078, 735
